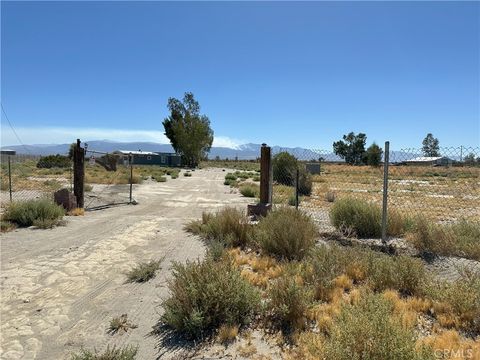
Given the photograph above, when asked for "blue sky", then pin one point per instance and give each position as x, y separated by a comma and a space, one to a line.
289, 74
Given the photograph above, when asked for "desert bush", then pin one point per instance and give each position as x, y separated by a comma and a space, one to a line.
87, 187
284, 167
230, 176
187, 173
124, 353
459, 239
7, 226
229, 226
206, 295
304, 182
460, 298
54, 161
42, 213
330, 196
364, 218
160, 178
286, 233
143, 271
292, 200
120, 324
378, 270
367, 330
289, 301
249, 190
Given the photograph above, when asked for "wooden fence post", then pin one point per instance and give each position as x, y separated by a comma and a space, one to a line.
78, 173
265, 204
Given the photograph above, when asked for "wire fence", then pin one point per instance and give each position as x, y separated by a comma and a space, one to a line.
29, 177
432, 202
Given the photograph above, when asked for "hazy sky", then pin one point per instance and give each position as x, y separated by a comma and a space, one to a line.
291, 74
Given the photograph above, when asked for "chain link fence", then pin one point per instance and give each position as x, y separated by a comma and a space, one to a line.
28, 177
432, 203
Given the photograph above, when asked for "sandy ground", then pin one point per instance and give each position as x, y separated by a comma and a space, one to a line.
61, 287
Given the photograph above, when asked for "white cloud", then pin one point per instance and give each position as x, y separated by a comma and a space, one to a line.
62, 135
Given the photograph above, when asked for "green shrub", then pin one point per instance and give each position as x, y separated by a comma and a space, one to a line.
367, 330
54, 161
364, 218
143, 271
256, 178
7, 226
459, 239
43, 213
161, 178
228, 226
87, 187
304, 182
289, 301
230, 176
284, 167
286, 233
249, 190
205, 295
125, 353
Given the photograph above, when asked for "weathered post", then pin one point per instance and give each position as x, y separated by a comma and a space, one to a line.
265, 204
130, 161
9, 178
385, 192
78, 173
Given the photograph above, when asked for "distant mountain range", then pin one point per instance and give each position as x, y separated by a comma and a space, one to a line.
242, 152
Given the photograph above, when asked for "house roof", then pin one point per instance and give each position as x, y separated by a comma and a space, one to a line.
139, 152
426, 158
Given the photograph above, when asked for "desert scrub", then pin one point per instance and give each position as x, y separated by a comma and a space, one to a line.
187, 173
364, 218
459, 239
457, 303
7, 226
41, 213
114, 353
228, 226
367, 330
286, 233
289, 301
249, 190
206, 295
143, 271
379, 271
120, 324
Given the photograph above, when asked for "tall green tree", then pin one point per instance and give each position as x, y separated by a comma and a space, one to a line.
373, 156
189, 132
351, 148
430, 146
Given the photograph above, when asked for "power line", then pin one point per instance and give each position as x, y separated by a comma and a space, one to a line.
14, 132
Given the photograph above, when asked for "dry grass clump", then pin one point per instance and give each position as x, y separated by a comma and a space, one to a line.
227, 333
76, 212
459, 239
7, 226
337, 267
450, 345
229, 226
41, 213
120, 324
143, 271
457, 303
364, 218
286, 233
206, 295
114, 353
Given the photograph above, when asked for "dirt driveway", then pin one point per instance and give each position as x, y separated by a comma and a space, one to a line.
61, 287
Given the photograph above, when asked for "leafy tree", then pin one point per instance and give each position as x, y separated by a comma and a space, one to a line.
351, 148
189, 132
53, 161
71, 150
469, 159
430, 146
373, 156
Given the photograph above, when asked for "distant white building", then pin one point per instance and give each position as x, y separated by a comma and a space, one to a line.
429, 161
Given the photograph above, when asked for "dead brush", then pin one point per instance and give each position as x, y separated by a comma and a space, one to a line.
76, 212
227, 333
143, 271
120, 324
